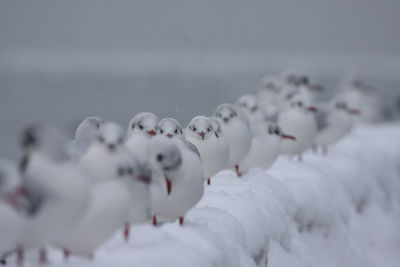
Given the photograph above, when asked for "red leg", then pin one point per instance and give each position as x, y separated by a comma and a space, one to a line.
154, 220
324, 150
20, 257
300, 156
42, 256
237, 171
315, 149
181, 220
66, 255
126, 231
209, 181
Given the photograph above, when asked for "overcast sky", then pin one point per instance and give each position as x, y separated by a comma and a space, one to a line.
294, 26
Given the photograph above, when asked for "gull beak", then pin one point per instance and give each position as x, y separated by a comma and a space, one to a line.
144, 179
311, 108
226, 120
152, 132
202, 134
12, 198
254, 109
354, 111
286, 136
169, 185
317, 87
169, 135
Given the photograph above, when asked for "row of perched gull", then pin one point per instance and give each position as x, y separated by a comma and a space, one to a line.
74, 195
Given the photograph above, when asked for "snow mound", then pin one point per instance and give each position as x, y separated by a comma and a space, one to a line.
336, 210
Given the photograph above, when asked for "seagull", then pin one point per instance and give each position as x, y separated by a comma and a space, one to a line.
248, 104
333, 124
141, 129
85, 134
237, 130
298, 119
57, 189
269, 90
13, 221
109, 141
200, 132
177, 179
265, 147
110, 205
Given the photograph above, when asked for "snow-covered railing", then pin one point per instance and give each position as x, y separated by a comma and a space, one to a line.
270, 217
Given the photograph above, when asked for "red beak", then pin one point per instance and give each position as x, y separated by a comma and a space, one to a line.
202, 134
286, 136
226, 119
253, 109
152, 132
169, 185
354, 111
169, 135
317, 87
311, 108
144, 179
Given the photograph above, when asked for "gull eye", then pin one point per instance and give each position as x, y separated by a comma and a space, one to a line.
277, 131
208, 129
176, 131
194, 129
160, 157
101, 139
133, 126
299, 104
161, 131
121, 171
129, 170
140, 127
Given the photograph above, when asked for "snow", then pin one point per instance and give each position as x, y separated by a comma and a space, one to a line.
336, 210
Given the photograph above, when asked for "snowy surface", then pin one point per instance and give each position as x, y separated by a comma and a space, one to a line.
338, 210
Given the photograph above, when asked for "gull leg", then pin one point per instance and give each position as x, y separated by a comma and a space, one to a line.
300, 157
237, 171
43, 256
181, 220
209, 181
324, 150
66, 255
154, 220
126, 231
20, 257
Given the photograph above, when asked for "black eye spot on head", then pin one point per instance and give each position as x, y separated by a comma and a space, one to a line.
176, 131
28, 138
160, 157
140, 126
133, 126
120, 140
161, 131
121, 171
277, 131
194, 129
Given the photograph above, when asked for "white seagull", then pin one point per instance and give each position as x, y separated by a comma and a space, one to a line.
237, 130
177, 179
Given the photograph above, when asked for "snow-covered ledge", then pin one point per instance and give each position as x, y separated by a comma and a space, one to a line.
338, 210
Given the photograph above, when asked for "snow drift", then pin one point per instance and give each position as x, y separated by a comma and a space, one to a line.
336, 210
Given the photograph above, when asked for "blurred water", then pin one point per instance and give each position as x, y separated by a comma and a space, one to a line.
65, 98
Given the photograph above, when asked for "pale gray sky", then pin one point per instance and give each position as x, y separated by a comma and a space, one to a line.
339, 26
